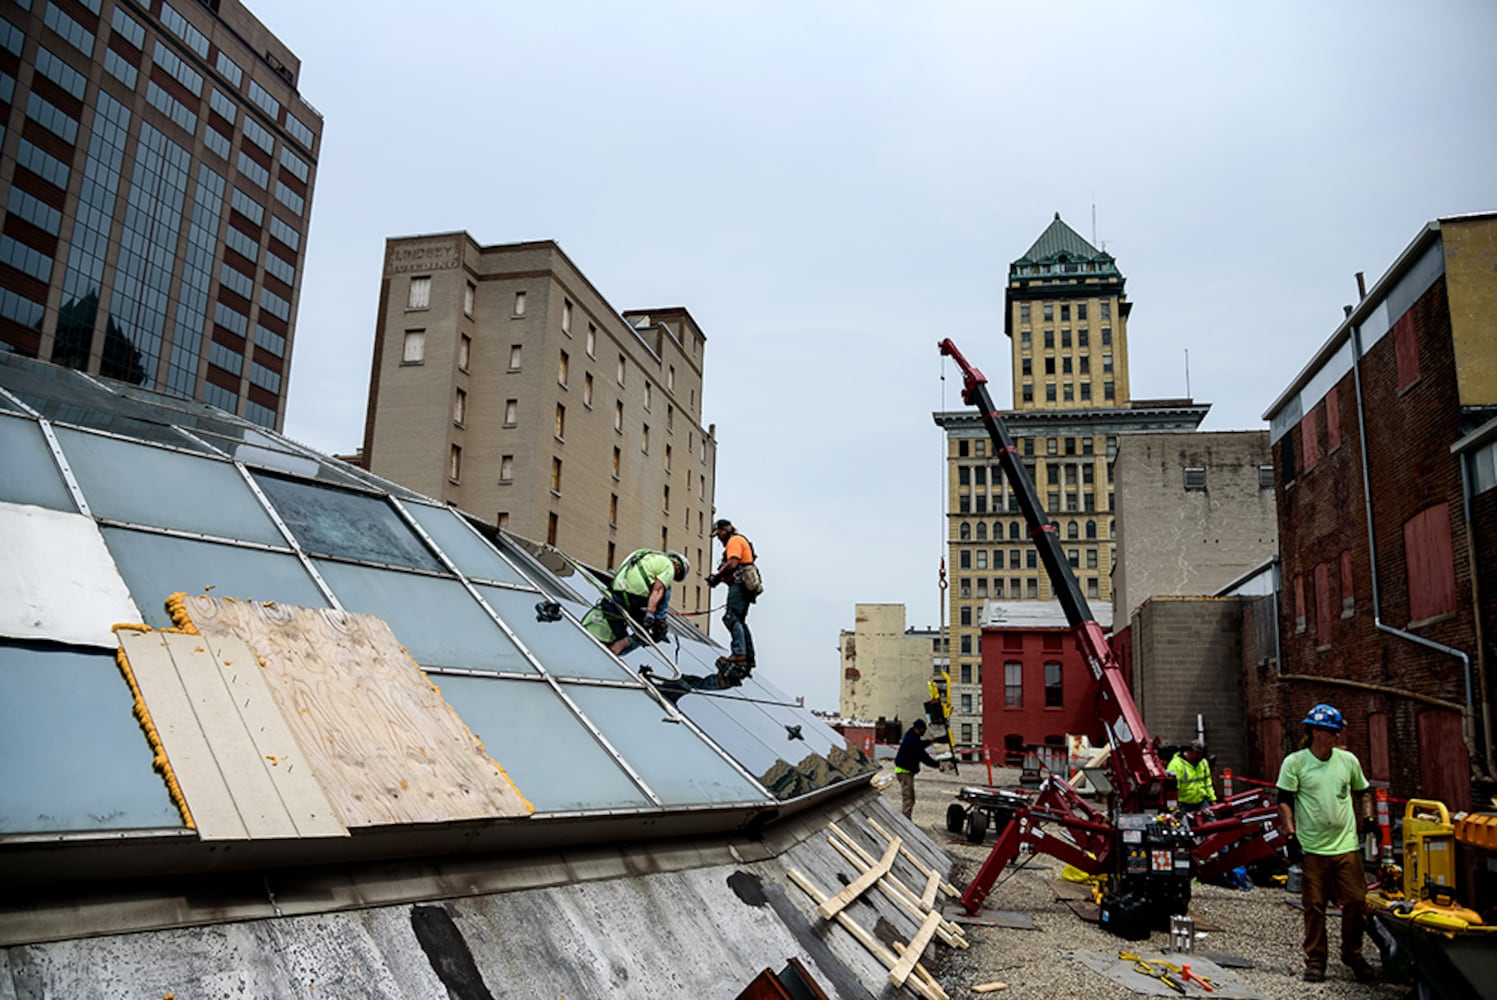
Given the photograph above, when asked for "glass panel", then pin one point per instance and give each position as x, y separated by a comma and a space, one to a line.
433, 617
562, 647
157, 566
716, 718
672, 759
78, 760
31, 474
352, 525
63, 395
472, 555
698, 655
542, 745
165, 489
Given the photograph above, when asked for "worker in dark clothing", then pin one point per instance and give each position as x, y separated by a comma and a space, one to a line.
738, 571
907, 764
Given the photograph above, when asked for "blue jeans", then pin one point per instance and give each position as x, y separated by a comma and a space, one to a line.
735, 617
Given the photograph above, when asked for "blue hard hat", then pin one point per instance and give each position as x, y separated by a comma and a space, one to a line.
1325, 717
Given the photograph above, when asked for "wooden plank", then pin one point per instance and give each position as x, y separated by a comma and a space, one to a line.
932, 886
906, 965
891, 887
386, 747
277, 752
859, 885
187, 751
920, 866
922, 973
861, 935
255, 796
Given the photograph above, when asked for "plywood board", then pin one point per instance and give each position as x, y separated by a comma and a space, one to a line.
183, 738
279, 764
384, 744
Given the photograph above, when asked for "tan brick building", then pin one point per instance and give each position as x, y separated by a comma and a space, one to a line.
1066, 316
505, 384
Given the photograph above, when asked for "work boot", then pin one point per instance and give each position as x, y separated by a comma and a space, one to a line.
1361, 969
1314, 973
731, 670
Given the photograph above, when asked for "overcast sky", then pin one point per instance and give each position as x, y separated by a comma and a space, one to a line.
830, 188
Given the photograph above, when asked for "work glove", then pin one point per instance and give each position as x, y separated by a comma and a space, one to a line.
1364, 824
657, 626
713, 581
1292, 849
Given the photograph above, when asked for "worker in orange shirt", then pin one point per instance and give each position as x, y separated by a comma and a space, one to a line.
740, 573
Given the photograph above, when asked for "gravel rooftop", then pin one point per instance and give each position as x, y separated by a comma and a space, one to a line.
1259, 925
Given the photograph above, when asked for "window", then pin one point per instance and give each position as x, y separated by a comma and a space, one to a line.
1065, 339
419, 296
552, 527
464, 350
1024, 312
455, 464
1013, 685
561, 421
1406, 351
1049, 311
592, 340
1427, 549
617, 458
1309, 440
259, 95
1049, 340
1108, 392
1348, 594
1323, 604
414, 352
1054, 690
644, 439
514, 357
511, 412
668, 465
1299, 603
1049, 392
459, 407
966, 616
519, 303
618, 416
613, 510
470, 294
966, 709
587, 390
1091, 558
507, 469
649, 396
1195, 479
556, 475
1265, 477
566, 315
619, 371
670, 378
561, 369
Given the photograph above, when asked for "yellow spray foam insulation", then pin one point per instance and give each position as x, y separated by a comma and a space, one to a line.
159, 761
176, 606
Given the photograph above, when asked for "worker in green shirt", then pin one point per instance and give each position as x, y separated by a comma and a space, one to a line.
1192, 773
639, 595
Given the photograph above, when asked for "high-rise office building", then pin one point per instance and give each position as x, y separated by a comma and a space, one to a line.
504, 383
157, 175
1066, 316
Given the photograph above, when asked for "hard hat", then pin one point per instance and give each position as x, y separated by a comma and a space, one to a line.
1325, 717
683, 565
721, 523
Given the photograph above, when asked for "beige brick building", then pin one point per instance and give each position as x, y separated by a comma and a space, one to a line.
1066, 316
505, 384
886, 667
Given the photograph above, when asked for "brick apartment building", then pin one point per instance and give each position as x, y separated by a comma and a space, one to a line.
1390, 422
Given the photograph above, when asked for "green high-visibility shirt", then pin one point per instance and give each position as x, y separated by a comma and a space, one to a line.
1325, 818
1193, 780
638, 575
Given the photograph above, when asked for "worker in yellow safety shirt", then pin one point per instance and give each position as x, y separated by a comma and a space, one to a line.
1192, 773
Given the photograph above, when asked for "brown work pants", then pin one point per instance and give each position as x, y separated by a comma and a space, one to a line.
906, 793
1342, 878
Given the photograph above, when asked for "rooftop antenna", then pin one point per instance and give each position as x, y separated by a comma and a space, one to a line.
1094, 217
1187, 373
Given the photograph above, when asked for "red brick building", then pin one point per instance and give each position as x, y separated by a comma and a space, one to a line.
1036, 686
1384, 623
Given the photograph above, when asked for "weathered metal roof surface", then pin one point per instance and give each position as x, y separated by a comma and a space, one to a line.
1059, 238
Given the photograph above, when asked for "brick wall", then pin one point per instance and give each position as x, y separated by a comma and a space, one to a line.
1321, 516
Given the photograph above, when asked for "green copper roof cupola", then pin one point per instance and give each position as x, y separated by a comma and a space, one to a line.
1061, 251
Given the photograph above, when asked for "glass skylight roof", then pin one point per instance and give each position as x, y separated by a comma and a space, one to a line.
191, 499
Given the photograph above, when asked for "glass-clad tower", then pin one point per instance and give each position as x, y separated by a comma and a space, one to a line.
157, 169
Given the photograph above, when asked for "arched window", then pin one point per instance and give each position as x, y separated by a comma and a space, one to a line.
1072, 530
982, 531
964, 532
1091, 529
1013, 531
